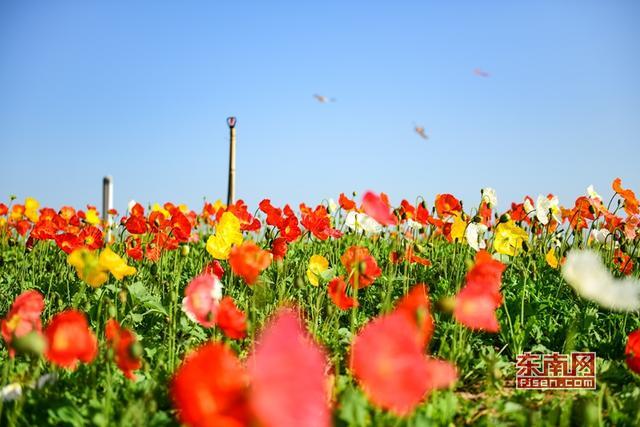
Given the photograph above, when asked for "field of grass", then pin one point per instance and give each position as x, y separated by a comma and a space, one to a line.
536, 310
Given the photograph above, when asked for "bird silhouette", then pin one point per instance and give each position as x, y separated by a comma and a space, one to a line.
480, 73
323, 99
420, 131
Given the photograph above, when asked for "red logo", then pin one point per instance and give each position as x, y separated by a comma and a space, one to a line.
556, 371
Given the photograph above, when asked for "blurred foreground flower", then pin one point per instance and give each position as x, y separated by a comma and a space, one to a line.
289, 386
632, 351
69, 340
248, 260
23, 318
378, 208
586, 273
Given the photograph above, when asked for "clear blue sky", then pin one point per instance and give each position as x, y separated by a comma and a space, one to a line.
141, 89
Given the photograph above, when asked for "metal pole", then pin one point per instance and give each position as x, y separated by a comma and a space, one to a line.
231, 122
107, 203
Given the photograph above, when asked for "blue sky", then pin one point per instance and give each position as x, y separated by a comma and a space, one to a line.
140, 90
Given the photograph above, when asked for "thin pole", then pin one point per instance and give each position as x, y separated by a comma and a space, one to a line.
107, 203
231, 192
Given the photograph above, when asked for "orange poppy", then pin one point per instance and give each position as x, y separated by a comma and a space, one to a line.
630, 200
22, 318
337, 290
69, 339
248, 261
123, 342
361, 266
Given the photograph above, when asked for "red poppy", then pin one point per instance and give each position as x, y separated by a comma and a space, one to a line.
630, 200
133, 247
289, 228
248, 261
623, 261
44, 230
374, 206
136, 224
231, 320
214, 268
388, 363
204, 399
632, 351
446, 205
240, 210
91, 237
70, 340
337, 290
22, 227
3, 209
361, 266
416, 306
346, 203
123, 342
279, 248
477, 302
288, 376
274, 215
317, 221
180, 226
23, 317
68, 242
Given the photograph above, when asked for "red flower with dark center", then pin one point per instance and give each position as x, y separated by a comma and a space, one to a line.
123, 342
288, 376
361, 266
337, 290
69, 340
289, 228
204, 399
632, 351
23, 317
91, 237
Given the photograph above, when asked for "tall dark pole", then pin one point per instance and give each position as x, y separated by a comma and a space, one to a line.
107, 203
231, 192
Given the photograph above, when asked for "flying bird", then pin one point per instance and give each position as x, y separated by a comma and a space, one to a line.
323, 99
420, 131
480, 73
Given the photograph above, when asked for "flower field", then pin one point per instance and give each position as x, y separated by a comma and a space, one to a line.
355, 312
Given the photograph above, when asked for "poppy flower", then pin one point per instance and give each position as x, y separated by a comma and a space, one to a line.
180, 226
115, 264
337, 290
346, 203
318, 222
509, 238
476, 303
376, 208
289, 228
632, 351
279, 248
358, 221
446, 205
388, 362
3, 209
274, 215
69, 340
361, 266
231, 320
417, 308
630, 200
548, 209
214, 268
88, 267
288, 375
22, 318
227, 234
317, 265
68, 242
206, 400
248, 261
202, 298
91, 237
123, 343
31, 206
133, 247
136, 224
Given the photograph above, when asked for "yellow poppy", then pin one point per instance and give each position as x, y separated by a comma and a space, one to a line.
317, 265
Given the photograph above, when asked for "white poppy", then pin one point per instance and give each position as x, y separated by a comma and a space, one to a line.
586, 273
592, 193
528, 207
600, 236
130, 206
544, 205
332, 206
414, 225
361, 222
489, 196
475, 235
